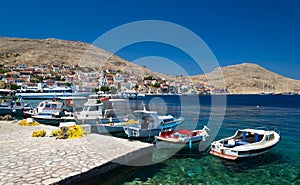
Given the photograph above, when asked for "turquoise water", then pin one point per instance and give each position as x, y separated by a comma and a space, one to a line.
281, 165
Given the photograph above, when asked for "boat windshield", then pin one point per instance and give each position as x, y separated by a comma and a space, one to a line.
168, 120
94, 108
147, 122
53, 106
249, 137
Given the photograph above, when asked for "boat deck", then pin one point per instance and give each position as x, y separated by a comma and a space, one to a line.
223, 155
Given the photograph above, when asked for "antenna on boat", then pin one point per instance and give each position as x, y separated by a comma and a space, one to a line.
144, 107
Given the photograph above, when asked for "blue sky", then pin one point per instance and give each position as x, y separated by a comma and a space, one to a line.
266, 32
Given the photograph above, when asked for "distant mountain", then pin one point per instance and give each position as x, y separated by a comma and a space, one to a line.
250, 78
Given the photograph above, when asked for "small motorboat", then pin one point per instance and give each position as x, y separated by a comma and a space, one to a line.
179, 138
45, 107
14, 108
102, 110
245, 143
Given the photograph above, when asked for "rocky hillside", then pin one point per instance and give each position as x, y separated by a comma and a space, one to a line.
250, 78
238, 79
51, 51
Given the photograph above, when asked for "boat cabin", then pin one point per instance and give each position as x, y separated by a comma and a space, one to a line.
150, 119
50, 107
248, 136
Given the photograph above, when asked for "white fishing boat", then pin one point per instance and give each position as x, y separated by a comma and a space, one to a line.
97, 111
245, 143
180, 138
91, 113
45, 108
50, 112
150, 124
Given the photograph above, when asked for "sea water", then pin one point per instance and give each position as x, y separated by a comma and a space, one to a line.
281, 165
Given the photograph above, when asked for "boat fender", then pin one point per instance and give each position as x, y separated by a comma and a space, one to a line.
190, 144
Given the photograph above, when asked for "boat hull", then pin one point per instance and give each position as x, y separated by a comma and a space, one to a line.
97, 121
167, 144
180, 138
240, 154
15, 112
136, 132
52, 121
92, 121
40, 96
43, 95
103, 128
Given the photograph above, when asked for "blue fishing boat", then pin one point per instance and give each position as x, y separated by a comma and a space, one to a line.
14, 108
150, 124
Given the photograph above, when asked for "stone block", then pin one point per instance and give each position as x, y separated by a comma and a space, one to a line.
87, 128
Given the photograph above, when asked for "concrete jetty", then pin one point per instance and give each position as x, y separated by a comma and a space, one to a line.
46, 160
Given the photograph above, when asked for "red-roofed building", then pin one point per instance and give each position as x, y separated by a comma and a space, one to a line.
10, 80
13, 74
109, 79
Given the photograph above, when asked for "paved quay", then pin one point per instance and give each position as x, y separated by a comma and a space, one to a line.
46, 160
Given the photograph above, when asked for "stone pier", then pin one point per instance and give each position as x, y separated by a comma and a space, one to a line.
46, 160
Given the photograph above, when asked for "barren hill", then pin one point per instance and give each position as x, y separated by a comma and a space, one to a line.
50, 51
239, 79
250, 78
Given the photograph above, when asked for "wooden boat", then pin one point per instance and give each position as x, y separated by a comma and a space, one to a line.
245, 143
179, 138
150, 124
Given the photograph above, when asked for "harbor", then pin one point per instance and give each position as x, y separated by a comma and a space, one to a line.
45, 160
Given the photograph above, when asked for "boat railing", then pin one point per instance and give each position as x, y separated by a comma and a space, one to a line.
276, 130
264, 128
206, 128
